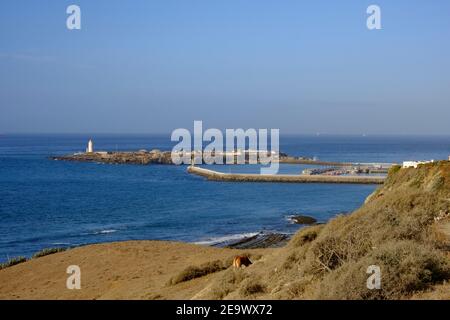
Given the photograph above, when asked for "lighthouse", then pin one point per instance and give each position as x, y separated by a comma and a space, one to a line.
90, 147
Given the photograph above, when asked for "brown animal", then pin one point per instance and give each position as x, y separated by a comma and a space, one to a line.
240, 261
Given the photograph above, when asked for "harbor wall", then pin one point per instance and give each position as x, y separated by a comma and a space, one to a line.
240, 177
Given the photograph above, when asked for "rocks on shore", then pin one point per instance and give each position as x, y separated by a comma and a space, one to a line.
261, 240
300, 219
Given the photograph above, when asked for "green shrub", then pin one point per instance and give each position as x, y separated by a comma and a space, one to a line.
12, 262
47, 251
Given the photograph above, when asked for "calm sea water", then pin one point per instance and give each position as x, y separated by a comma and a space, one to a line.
45, 203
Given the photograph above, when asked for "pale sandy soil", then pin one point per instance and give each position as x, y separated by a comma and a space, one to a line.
120, 270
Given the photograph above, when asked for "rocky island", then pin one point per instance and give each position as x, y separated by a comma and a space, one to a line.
141, 157
144, 157
156, 156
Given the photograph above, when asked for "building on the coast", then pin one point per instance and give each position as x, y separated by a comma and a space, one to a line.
414, 164
90, 146
237, 152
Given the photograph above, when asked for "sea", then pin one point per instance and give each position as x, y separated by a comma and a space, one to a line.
46, 203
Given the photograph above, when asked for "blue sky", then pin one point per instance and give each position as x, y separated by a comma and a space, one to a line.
153, 66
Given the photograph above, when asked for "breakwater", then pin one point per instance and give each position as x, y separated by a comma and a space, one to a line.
239, 177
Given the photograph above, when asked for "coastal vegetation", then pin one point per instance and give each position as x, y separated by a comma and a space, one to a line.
16, 260
12, 262
47, 251
395, 230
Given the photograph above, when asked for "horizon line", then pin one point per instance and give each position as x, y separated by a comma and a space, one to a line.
2, 134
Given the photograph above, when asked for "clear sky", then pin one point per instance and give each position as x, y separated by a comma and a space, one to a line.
152, 66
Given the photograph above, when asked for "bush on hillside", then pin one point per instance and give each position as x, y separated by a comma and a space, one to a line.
406, 267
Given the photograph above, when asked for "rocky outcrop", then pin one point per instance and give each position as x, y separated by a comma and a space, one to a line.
140, 157
261, 240
303, 220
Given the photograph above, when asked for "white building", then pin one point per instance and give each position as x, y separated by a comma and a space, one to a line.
414, 164
90, 147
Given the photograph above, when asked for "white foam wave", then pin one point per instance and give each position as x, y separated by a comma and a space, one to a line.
106, 231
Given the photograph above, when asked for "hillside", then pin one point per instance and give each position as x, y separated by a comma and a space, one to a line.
404, 228
395, 229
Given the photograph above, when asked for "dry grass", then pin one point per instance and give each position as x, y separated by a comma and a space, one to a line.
306, 235
251, 286
394, 230
228, 282
193, 272
406, 268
